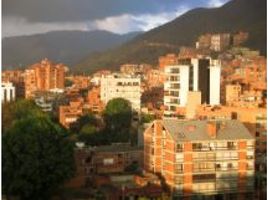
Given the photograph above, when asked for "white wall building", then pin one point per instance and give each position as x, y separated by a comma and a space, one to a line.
196, 74
8, 92
214, 83
175, 87
123, 86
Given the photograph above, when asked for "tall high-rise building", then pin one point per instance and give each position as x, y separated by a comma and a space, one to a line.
195, 74
195, 158
44, 76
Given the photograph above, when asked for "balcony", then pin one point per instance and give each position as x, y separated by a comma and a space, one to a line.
204, 170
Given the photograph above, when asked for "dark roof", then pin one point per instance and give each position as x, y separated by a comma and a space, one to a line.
197, 130
120, 147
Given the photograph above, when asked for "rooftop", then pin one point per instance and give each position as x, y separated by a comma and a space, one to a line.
197, 130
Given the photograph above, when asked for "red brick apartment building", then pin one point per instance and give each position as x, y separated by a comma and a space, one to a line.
41, 76
94, 102
70, 113
48, 75
195, 158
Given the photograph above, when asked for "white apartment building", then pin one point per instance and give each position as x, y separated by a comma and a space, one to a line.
176, 87
123, 86
196, 74
8, 92
215, 82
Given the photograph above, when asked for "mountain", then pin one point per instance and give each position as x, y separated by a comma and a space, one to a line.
236, 15
68, 47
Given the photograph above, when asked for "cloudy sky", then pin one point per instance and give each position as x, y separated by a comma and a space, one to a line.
26, 17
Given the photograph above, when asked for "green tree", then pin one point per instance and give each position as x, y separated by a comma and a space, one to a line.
37, 158
117, 116
88, 118
13, 111
147, 118
88, 134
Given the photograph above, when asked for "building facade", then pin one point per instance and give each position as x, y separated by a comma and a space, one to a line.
94, 102
196, 74
108, 159
70, 113
8, 92
220, 41
201, 158
121, 86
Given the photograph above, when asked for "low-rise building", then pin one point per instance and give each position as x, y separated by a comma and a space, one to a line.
108, 159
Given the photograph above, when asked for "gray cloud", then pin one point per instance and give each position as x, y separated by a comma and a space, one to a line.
25, 17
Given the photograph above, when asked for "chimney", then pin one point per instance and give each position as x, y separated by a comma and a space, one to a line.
212, 129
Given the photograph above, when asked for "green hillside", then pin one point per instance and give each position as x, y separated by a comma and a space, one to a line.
236, 15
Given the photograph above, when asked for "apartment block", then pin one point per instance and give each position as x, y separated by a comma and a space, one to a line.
169, 59
195, 74
240, 38
214, 159
70, 113
204, 41
232, 93
80, 82
155, 78
123, 86
7, 92
94, 102
220, 41
135, 69
48, 75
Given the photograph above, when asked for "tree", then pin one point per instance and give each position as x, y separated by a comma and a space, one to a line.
37, 158
147, 118
88, 118
118, 114
13, 111
88, 134
117, 117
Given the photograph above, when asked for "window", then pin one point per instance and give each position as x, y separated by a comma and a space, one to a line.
197, 146
179, 148
179, 168
108, 161
203, 177
179, 157
231, 145
230, 165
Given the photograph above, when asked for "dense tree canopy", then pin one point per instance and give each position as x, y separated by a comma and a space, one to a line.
118, 114
118, 117
37, 155
13, 111
86, 119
